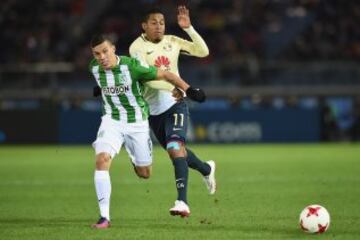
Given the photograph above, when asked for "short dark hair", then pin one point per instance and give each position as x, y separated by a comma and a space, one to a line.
150, 11
98, 39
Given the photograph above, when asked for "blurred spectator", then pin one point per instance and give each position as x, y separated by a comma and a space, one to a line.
43, 31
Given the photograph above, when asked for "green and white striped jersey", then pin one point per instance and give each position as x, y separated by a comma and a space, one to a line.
122, 88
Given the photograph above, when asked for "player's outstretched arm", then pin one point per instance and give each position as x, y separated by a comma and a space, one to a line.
197, 47
194, 94
173, 79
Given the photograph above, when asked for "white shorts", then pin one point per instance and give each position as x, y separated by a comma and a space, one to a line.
113, 134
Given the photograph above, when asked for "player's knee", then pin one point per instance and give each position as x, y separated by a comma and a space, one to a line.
103, 161
143, 172
175, 149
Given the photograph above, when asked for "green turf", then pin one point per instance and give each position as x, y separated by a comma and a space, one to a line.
47, 192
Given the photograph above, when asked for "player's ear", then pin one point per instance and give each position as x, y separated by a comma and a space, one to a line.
143, 25
112, 47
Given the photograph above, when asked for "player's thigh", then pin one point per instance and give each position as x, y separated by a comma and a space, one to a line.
176, 123
109, 138
139, 147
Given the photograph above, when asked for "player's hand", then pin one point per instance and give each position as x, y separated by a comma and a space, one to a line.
183, 17
178, 94
96, 91
196, 94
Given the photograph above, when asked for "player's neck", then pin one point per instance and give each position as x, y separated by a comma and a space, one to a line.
153, 40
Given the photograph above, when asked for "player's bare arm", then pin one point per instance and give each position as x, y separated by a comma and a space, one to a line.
194, 94
173, 79
198, 46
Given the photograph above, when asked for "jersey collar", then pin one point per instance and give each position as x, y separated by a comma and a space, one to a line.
143, 36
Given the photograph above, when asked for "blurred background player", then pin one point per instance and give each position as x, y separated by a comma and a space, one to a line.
125, 115
168, 118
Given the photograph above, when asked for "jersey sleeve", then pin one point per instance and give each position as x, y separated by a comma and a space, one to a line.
197, 47
137, 51
142, 72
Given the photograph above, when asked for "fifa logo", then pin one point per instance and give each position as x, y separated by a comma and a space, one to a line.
163, 63
115, 90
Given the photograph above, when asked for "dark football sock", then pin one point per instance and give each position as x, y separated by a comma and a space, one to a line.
195, 163
181, 177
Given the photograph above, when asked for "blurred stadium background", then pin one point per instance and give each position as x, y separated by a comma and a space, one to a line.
279, 71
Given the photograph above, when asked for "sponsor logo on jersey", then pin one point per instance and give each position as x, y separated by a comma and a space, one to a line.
163, 63
115, 90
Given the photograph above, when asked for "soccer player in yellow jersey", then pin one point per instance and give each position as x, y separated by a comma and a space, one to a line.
120, 81
168, 118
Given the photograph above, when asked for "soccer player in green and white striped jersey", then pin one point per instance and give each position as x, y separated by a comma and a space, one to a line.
125, 115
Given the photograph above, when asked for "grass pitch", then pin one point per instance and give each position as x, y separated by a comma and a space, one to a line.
47, 192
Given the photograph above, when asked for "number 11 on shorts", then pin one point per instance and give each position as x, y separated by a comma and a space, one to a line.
176, 118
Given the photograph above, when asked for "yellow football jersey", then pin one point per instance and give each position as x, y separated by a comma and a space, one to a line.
165, 55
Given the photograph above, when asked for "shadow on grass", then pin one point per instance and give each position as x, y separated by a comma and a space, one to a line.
196, 225
42, 222
172, 224
200, 225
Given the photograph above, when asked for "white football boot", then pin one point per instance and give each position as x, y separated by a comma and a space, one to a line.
210, 179
180, 208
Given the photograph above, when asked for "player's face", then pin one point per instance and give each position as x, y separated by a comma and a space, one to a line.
104, 53
154, 27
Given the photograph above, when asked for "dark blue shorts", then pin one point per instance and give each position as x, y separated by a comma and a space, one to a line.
171, 125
